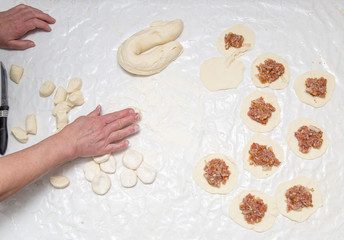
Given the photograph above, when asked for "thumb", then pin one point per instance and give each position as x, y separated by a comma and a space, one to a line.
95, 112
20, 44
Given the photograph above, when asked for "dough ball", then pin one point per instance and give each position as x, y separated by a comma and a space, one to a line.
16, 73
109, 166
91, 169
269, 217
59, 181
20, 134
101, 158
132, 159
279, 83
294, 143
128, 178
75, 99
300, 88
61, 107
61, 120
74, 85
305, 212
47, 89
31, 124
273, 121
203, 183
146, 173
60, 95
220, 74
101, 183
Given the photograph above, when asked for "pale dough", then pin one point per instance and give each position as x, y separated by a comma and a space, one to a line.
16, 73
60, 95
74, 85
304, 213
109, 166
61, 120
31, 124
75, 99
273, 121
128, 178
203, 183
61, 107
146, 173
258, 171
300, 88
219, 74
91, 169
47, 89
293, 142
59, 181
132, 55
101, 183
267, 221
20, 134
281, 82
132, 159
102, 158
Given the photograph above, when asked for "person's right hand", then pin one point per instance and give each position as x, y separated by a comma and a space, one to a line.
17, 21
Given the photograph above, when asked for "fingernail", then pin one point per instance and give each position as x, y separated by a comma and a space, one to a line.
137, 116
31, 44
131, 111
136, 128
99, 108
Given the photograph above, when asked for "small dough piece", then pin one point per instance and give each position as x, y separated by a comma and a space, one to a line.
294, 143
128, 178
75, 99
279, 83
20, 134
146, 173
304, 213
109, 166
132, 159
132, 55
59, 181
16, 73
267, 221
60, 95
233, 52
91, 169
101, 183
31, 124
61, 107
203, 183
102, 158
300, 88
74, 85
258, 171
273, 121
61, 120
220, 74
47, 89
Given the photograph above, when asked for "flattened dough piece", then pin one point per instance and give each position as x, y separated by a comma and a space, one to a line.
267, 221
31, 124
304, 213
203, 183
132, 159
91, 169
59, 181
101, 183
279, 83
146, 173
16, 73
101, 158
300, 88
128, 178
273, 121
20, 134
258, 171
293, 142
109, 166
47, 89
219, 74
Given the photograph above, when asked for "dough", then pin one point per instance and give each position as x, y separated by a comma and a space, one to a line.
219, 74
16, 73
75, 99
300, 88
47, 89
91, 169
258, 171
132, 159
74, 85
31, 124
61, 120
293, 142
267, 221
60, 95
102, 158
132, 55
101, 183
281, 82
203, 183
146, 173
128, 178
109, 166
20, 134
59, 181
273, 121
232, 52
304, 213
61, 107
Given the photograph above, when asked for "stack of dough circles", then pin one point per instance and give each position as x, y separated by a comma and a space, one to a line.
273, 121
161, 35
293, 142
267, 221
304, 213
300, 88
258, 171
279, 83
203, 183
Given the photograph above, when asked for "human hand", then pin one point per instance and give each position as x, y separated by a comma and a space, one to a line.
17, 21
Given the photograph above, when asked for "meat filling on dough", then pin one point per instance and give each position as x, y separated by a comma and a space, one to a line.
233, 40
316, 87
269, 71
253, 209
216, 172
261, 155
298, 197
309, 137
260, 111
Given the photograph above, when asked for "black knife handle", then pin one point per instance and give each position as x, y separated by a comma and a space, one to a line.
3, 129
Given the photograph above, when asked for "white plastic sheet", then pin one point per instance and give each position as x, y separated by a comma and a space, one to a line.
182, 120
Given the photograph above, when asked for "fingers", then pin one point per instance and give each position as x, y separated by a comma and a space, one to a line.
113, 147
28, 13
20, 44
123, 133
110, 117
122, 122
96, 112
37, 23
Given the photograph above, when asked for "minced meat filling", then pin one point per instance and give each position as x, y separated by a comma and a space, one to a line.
216, 172
316, 87
253, 209
309, 137
298, 197
233, 40
269, 71
260, 155
260, 111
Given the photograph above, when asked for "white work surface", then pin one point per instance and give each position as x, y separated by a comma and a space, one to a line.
181, 120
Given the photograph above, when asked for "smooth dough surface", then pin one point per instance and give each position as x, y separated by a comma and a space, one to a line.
132, 159
31, 124
273, 121
16, 73
59, 181
304, 213
101, 183
258, 171
219, 74
75, 99
20, 134
203, 183
102, 158
109, 166
128, 178
60, 95
281, 82
293, 142
46, 89
74, 85
146, 173
61, 107
91, 169
300, 88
